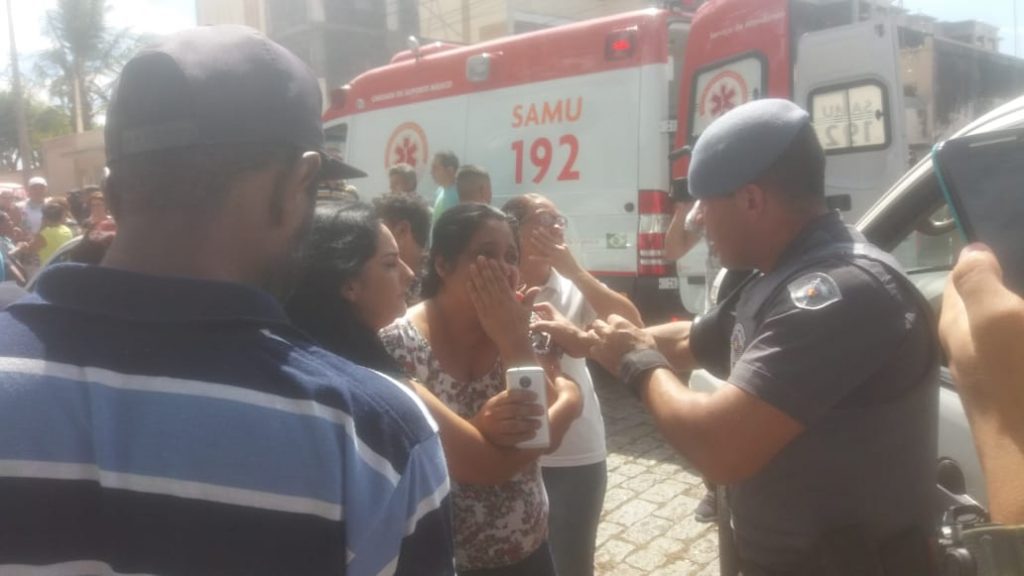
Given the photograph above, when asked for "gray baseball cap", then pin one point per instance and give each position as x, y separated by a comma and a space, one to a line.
741, 145
217, 85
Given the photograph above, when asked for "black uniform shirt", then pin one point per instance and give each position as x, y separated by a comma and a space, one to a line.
844, 348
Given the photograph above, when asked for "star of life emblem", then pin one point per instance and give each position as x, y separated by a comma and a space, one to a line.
814, 291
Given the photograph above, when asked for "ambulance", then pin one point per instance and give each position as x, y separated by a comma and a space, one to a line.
880, 90
583, 113
587, 114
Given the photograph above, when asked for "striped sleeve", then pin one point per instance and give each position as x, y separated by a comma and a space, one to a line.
423, 542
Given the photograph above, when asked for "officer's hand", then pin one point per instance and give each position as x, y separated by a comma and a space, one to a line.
573, 340
982, 332
615, 338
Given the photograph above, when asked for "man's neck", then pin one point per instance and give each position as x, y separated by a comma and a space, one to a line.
176, 251
785, 236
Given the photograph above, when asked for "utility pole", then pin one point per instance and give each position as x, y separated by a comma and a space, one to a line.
24, 146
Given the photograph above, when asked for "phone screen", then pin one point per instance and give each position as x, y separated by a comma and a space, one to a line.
983, 179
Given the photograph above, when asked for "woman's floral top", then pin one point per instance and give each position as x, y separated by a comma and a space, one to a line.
494, 525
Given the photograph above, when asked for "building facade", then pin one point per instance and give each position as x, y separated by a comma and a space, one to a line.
470, 21
339, 39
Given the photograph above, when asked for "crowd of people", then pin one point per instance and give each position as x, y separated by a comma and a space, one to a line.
33, 229
449, 321
274, 384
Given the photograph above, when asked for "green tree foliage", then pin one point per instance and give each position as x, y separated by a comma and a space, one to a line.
86, 56
44, 122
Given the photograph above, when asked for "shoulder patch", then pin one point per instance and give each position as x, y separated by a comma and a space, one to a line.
738, 341
814, 291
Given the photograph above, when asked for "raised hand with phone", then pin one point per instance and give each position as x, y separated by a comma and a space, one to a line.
505, 317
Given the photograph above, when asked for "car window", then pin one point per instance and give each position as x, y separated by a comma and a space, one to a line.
928, 254
932, 245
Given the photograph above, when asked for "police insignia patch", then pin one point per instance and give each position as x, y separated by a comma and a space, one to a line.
738, 341
814, 291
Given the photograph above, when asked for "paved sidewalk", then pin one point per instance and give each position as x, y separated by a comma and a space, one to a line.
648, 526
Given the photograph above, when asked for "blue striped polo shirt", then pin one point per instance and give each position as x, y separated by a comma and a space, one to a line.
160, 425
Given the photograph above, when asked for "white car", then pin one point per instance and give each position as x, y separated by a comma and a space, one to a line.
911, 221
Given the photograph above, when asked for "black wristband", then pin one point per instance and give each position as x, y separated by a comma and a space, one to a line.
635, 365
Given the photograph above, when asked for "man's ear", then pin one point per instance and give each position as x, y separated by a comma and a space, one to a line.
752, 198
296, 190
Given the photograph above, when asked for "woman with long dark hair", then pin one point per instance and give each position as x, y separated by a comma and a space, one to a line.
458, 342
351, 285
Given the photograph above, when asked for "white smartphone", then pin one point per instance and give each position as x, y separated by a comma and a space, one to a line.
532, 378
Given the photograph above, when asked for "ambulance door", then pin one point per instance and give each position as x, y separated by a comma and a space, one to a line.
574, 140
848, 79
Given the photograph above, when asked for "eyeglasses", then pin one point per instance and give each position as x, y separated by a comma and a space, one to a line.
550, 220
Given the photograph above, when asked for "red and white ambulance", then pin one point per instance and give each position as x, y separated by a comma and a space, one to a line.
583, 113
879, 90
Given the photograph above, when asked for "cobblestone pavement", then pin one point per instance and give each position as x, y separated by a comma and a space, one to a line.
647, 526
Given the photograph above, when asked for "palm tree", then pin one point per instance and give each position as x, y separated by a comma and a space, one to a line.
87, 54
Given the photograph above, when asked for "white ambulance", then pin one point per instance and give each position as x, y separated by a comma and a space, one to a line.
583, 113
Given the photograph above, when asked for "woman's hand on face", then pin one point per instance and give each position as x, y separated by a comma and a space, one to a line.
509, 417
504, 318
555, 251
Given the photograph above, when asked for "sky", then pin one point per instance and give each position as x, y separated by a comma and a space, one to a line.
165, 16
142, 16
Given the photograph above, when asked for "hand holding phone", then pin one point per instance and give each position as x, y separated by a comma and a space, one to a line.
982, 178
533, 379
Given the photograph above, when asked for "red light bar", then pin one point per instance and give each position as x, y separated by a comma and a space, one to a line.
620, 45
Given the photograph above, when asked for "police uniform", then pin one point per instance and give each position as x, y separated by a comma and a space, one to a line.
838, 339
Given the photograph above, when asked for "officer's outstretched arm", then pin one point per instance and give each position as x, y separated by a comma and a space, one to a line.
673, 340
729, 435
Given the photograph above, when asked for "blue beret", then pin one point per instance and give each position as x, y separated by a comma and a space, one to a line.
738, 147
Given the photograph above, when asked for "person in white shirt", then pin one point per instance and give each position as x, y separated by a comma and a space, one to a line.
32, 208
570, 298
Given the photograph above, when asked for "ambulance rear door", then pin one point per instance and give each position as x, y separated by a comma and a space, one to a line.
848, 79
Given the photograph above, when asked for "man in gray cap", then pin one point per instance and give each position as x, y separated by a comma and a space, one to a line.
824, 433
161, 415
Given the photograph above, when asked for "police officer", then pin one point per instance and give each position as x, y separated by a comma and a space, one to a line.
825, 431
